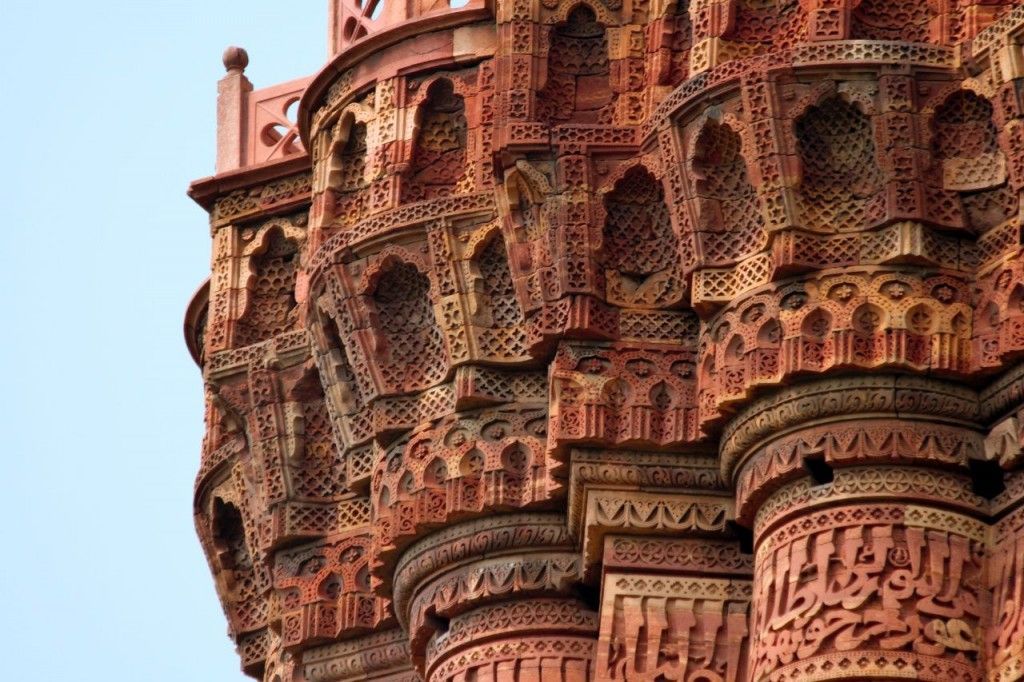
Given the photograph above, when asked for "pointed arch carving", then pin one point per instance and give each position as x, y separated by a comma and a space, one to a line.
639, 246
729, 218
270, 264
438, 163
565, 10
530, 241
500, 319
410, 351
348, 169
318, 473
969, 160
578, 86
526, 190
841, 184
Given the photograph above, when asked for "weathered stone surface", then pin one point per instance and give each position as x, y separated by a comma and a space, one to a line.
600, 340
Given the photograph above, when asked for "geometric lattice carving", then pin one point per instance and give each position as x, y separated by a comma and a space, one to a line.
577, 89
723, 385
439, 152
729, 208
505, 334
353, 386
892, 20
641, 261
681, 42
272, 298
319, 473
965, 144
413, 343
965, 135
352, 160
760, 22
841, 184
349, 178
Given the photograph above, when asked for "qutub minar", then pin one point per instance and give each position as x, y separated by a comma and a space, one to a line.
571, 340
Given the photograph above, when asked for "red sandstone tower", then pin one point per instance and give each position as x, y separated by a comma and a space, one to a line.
568, 340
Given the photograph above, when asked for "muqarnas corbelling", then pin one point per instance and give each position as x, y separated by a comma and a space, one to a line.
612, 341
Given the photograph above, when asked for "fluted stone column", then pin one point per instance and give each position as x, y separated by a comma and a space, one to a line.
527, 640
869, 540
495, 599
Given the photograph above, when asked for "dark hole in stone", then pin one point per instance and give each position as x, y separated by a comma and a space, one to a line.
438, 623
986, 478
744, 535
819, 470
588, 594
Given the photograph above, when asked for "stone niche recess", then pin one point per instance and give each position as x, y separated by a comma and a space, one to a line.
650, 341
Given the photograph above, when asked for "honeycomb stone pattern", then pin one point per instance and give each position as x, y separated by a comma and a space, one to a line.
597, 340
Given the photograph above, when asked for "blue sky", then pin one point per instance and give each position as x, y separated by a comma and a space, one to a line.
110, 112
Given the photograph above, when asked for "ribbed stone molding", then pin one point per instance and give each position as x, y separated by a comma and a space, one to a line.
613, 340
524, 639
523, 569
870, 545
821, 403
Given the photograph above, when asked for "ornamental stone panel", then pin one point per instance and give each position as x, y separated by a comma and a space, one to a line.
585, 340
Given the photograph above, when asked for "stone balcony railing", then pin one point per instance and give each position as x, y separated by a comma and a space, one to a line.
255, 127
352, 20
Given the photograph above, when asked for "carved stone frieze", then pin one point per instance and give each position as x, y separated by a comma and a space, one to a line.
381, 656
582, 340
876, 579
670, 627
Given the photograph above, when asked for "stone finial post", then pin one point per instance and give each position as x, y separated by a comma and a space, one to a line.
232, 90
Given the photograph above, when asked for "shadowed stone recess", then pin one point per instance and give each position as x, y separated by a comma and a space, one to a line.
585, 340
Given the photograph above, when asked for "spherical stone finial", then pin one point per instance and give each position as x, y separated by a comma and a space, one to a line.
235, 59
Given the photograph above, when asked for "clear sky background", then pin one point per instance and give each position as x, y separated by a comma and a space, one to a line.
109, 113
